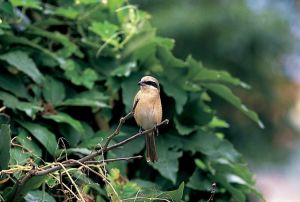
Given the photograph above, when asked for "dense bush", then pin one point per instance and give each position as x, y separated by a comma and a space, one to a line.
70, 72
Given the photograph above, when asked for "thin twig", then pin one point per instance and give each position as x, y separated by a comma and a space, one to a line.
121, 122
112, 160
212, 193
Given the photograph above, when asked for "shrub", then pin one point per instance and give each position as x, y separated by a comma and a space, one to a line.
69, 73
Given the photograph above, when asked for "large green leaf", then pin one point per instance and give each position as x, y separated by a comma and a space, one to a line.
24, 63
78, 76
53, 91
168, 160
61, 117
42, 134
178, 94
129, 90
4, 145
107, 31
226, 93
13, 84
87, 99
12, 102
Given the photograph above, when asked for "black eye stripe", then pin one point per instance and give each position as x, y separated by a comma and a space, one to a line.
151, 83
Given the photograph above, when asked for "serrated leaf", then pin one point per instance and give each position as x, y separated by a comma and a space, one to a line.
40, 196
5, 137
74, 72
24, 63
106, 30
12, 102
53, 91
61, 117
225, 93
42, 134
168, 160
13, 84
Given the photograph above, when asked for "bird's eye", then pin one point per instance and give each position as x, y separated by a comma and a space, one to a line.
151, 83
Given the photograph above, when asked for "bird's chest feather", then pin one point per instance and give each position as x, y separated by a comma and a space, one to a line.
147, 112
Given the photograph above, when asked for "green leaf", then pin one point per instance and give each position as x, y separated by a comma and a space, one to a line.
175, 195
29, 144
129, 89
74, 72
218, 123
53, 91
61, 117
24, 63
197, 72
5, 137
18, 156
27, 3
124, 70
168, 160
42, 134
174, 91
88, 99
227, 94
12, 102
198, 181
183, 129
210, 145
107, 31
13, 84
40, 196
69, 12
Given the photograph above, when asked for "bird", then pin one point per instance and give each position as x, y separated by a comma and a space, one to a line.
147, 112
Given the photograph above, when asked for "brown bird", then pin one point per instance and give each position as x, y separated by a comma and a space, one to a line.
148, 112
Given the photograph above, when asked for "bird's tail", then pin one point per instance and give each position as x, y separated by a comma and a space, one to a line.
151, 154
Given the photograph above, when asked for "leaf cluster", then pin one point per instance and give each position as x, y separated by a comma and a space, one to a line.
69, 72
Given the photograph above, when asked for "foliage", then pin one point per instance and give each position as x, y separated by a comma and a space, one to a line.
69, 72
249, 44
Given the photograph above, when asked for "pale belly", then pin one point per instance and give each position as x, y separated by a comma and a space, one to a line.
146, 118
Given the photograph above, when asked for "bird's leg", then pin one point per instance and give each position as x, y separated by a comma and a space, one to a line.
140, 130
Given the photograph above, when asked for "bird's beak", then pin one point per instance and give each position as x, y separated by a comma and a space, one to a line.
140, 83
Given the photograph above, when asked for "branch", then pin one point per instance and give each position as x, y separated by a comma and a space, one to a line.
86, 159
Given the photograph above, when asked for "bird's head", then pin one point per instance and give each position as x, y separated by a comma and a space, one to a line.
148, 83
